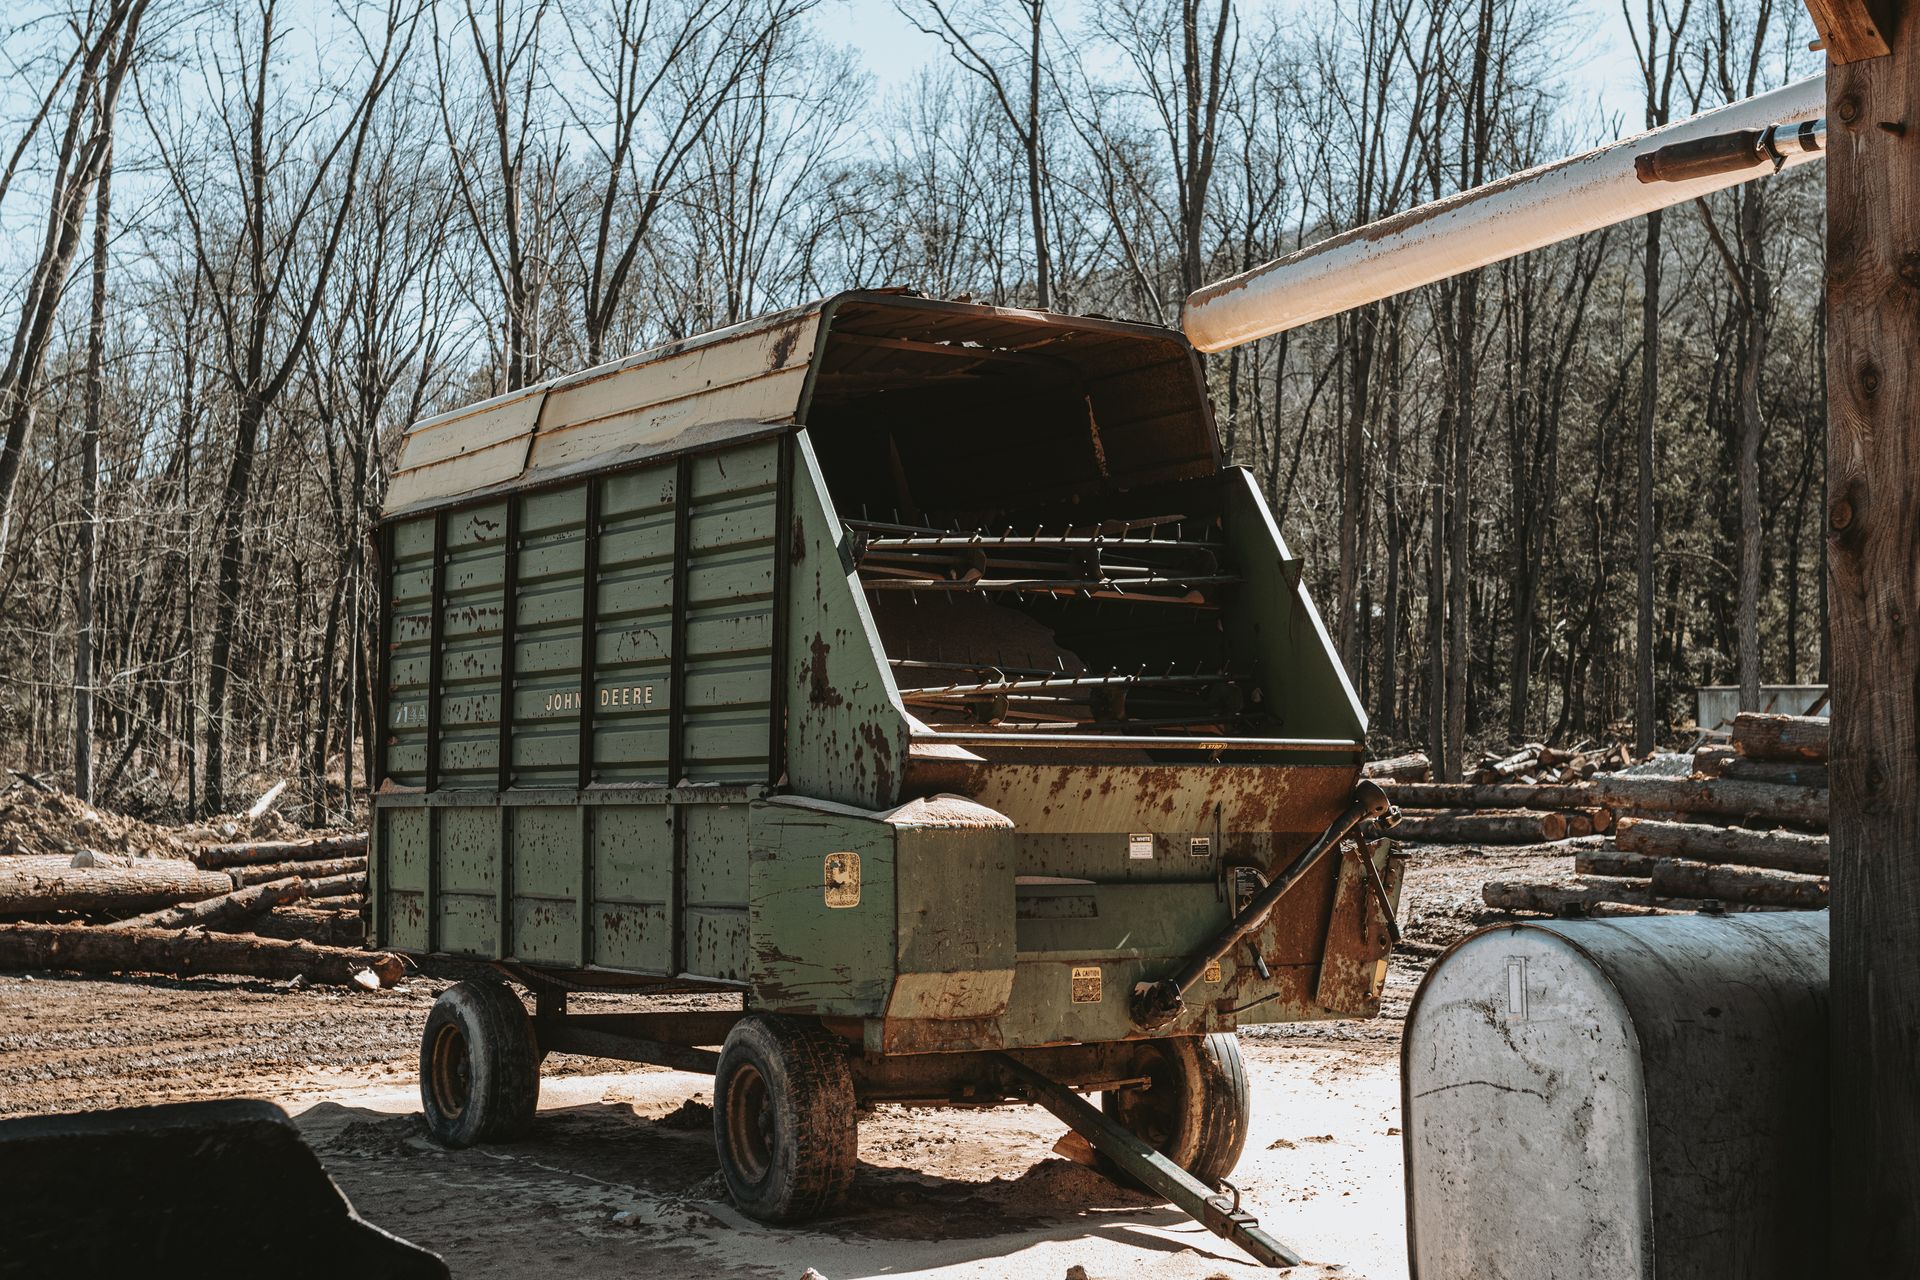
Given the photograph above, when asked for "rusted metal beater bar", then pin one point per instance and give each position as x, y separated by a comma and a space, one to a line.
1155, 1004
1510, 216
1211, 1209
1051, 684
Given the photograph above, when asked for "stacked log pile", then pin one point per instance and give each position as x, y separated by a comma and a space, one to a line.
1537, 795
1746, 831
269, 909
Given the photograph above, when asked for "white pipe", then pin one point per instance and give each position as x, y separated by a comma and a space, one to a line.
1487, 224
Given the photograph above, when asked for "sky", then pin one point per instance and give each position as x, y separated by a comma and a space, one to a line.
1603, 79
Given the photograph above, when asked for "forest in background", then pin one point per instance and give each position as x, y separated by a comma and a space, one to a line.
248, 240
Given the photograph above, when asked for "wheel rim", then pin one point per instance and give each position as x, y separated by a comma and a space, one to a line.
750, 1123
1153, 1113
450, 1074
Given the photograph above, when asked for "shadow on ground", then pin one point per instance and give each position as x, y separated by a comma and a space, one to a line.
595, 1185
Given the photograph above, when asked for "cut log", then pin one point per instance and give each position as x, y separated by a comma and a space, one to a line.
1580, 899
1601, 817
1781, 773
81, 949
1471, 795
328, 928
1557, 899
339, 902
1738, 884
352, 884
243, 876
1745, 801
1614, 910
1519, 762
1578, 825
1779, 850
1711, 760
1762, 736
236, 855
266, 802
1603, 862
42, 885
1481, 828
220, 913
1408, 768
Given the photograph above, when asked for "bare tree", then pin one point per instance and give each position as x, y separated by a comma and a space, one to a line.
106, 40
266, 223
980, 44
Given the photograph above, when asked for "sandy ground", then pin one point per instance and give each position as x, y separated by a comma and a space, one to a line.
619, 1175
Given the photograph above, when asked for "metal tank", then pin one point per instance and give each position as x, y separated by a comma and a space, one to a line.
914, 673
1621, 1100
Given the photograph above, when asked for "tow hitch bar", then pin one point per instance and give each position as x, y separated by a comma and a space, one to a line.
1155, 1004
1213, 1210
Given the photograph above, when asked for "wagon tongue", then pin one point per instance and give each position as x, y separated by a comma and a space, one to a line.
1155, 1004
1214, 1211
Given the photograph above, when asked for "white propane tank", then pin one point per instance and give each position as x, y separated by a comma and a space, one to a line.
1615, 1099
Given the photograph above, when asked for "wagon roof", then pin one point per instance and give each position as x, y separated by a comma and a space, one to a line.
759, 376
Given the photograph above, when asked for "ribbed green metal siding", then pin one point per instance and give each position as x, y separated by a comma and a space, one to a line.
638, 608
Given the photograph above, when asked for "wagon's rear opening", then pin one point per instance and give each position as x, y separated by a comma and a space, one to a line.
1039, 523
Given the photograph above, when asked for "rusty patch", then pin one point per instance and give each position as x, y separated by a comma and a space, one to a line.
783, 347
820, 690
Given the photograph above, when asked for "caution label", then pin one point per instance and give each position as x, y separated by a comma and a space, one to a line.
1086, 984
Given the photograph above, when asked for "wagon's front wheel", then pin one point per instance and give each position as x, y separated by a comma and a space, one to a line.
783, 1119
1196, 1109
479, 1066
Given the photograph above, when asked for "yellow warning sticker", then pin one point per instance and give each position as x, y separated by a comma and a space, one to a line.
1086, 984
843, 879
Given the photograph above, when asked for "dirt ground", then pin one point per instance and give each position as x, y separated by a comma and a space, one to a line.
619, 1176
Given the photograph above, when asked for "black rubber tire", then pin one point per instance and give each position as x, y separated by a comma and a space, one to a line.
783, 1119
479, 1066
1197, 1111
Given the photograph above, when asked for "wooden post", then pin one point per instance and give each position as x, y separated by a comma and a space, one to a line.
1873, 496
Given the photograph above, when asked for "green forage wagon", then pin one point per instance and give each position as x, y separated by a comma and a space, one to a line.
914, 673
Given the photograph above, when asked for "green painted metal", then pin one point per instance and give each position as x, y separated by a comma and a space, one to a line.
640, 716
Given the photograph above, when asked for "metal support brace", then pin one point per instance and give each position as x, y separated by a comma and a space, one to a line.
1217, 1213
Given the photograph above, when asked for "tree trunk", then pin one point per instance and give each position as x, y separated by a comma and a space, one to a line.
1491, 795
1753, 357
312, 870
241, 855
1873, 515
1778, 850
1673, 879
1760, 735
82, 949
1481, 828
217, 913
1645, 713
122, 886
1741, 801
87, 558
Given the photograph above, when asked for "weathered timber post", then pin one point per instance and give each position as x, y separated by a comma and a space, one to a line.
1873, 494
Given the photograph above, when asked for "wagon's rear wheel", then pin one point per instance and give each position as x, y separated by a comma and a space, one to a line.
783, 1119
479, 1066
1196, 1111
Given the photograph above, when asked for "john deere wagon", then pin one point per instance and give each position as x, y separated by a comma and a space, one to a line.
913, 673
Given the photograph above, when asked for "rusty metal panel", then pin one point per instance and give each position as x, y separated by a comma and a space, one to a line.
805, 955
632, 876
633, 642
703, 391
729, 616
1353, 963
846, 730
544, 871
400, 878
409, 660
549, 599
472, 608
